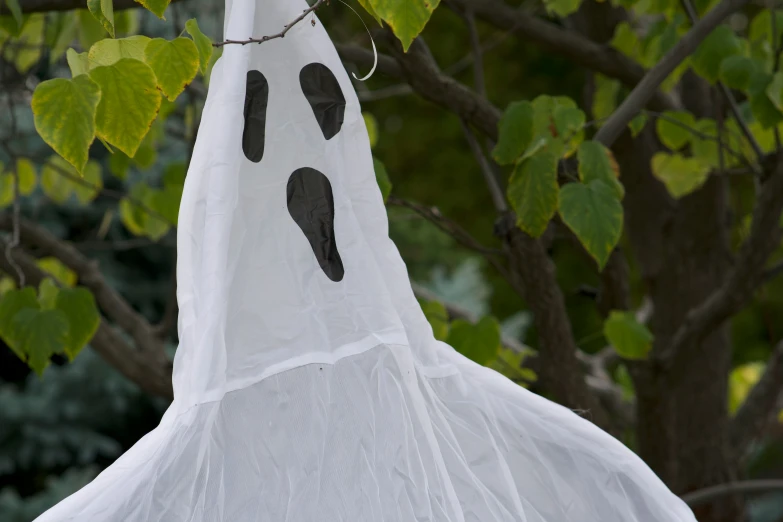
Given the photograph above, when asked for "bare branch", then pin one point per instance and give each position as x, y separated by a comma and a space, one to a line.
761, 406
364, 57
648, 86
705, 495
746, 275
495, 190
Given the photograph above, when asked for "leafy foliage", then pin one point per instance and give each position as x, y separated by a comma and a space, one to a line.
533, 192
631, 339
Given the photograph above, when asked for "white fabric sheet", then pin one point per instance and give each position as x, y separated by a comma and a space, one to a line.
299, 398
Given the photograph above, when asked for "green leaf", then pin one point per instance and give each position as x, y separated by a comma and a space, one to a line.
109, 52
775, 90
479, 342
515, 132
760, 36
597, 162
58, 270
372, 128
119, 163
59, 181
532, 192
605, 97
64, 115
41, 334
16, 11
741, 380
90, 30
438, 318
166, 202
593, 212
92, 176
47, 293
28, 179
65, 32
174, 175
157, 7
12, 302
78, 62
761, 105
368, 7
562, 8
626, 41
569, 123
407, 19
174, 62
28, 46
382, 177
680, 175
706, 150
203, 44
126, 22
78, 305
719, 45
637, 124
675, 135
736, 71
103, 11
129, 103
631, 339
135, 214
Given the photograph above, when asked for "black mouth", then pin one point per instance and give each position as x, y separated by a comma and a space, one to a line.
311, 205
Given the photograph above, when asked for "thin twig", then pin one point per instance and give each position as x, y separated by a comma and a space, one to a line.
498, 199
281, 34
702, 496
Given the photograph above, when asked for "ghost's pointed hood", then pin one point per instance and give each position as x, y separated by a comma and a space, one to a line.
284, 255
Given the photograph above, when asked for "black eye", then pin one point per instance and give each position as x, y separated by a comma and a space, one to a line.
256, 97
311, 204
322, 91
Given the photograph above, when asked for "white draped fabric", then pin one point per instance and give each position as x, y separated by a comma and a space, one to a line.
308, 385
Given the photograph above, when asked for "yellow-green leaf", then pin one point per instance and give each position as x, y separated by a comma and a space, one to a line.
631, 339
438, 318
25, 170
593, 212
66, 33
89, 29
59, 181
367, 7
47, 293
108, 51
12, 302
58, 270
203, 44
65, 116
78, 62
741, 380
16, 11
129, 103
372, 128
532, 191
406, 18
736, 71
605, 98
675, 129
103, 11
158, 7
92, 183
174, 62
27, 48
562, 8
680, 175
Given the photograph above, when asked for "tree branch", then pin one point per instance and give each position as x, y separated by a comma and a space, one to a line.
648, 86
761, 406
152, 374
746, 275
570, 44
705, 495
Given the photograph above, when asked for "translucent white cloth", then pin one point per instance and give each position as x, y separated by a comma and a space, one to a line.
308, 385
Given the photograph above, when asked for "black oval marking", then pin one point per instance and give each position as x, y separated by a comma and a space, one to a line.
256, 99
311, 204
324, 95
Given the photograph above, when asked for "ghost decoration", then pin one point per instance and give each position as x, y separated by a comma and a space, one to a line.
308, 386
